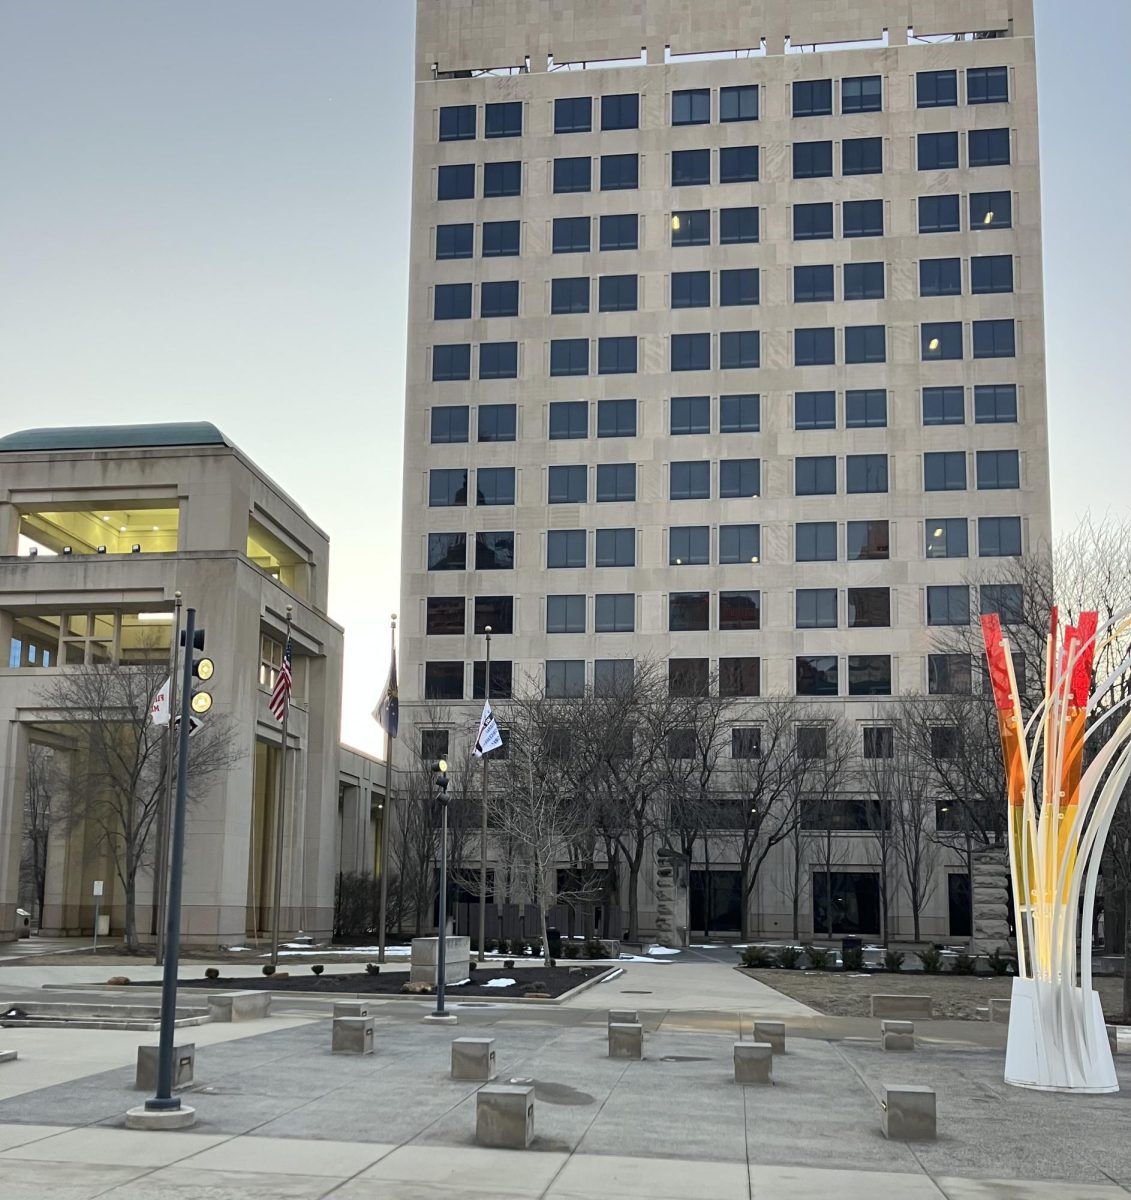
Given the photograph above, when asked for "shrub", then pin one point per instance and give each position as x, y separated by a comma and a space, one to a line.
508, 965
518, 946
317, 968
571, 950
755, 956
553, 962
211, 973
963, 964
1000, 964
893, 960
852, 960
268, 969
931, 960
818, 957
536, 947
373, 968
594, 949
490, 944
788, 957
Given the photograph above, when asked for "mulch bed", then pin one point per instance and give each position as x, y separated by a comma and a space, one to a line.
553, 981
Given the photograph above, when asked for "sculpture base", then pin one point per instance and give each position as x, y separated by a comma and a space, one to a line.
1036, 1055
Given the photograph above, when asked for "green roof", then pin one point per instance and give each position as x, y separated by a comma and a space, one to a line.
115, 437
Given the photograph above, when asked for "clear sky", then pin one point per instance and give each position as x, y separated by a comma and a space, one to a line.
204, 214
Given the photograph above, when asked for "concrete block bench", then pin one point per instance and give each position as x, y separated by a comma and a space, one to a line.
909, 1113
1118, 1037
897, 1035
753, 1062
352, 1035
626, 1041
999, 1011
184, 1063
624, 1016
905, 1007
504, 1116
473, 1059
239, 1006
351, 1008
424, 963
772, 1033
8, 1056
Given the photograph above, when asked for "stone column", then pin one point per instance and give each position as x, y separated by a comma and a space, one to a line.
989, 899
671, 899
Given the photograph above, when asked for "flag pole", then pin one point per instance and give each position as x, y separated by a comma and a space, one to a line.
161, 881
281, 796
481, 955
386, 815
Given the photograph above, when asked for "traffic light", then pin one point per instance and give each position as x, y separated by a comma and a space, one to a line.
440, 780
202, 669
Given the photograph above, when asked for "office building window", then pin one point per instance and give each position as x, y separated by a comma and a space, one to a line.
569, 419
812, 741
991, 273
573, 114
739, 349
999, 537
863, 218
940, 340
690, 414
815, 541
614, 612
689, 545
500, 239
739, 610
497, 422
571, 235
814, 347
449, 424
433, 744
620, 231
565, 678
565, 614
451, 362
443, 680
948, 674
688, 676
869, 675
616, 293
689, 480
865, 344
494, 550
815, 608
864, 281
457, 122
739, 477
1005, 599
737, 225
861, 93
502, 179
451, 301
862, 156
812, 222
498, 360
616, 547
947, 537
616, 355
812, 284
499, 299
496, 611
445, 614
739, 287
936, 89
814, 410
944, 406
740, 413
616, 418
567, 484
991, 210
865, 408
502, 673
738, 164
867, 540
690, 167
940, 277
691, 352
456, 181
619, 172
616, 482
937, 151
569, 295
879, 741
740, 543
815, 475
691, 106
812, 97
612, 676
998, 469
995, 404
938, 214
948, 605
691, 227
447, 551
987, 85
816, 676
944, 471
689, 612
573, 175
494, 485
738, 103
741, 677
569, 356
994, 339
503, 119
691, 289
620, 112
565, 548
988, 147
455, 241
447, 487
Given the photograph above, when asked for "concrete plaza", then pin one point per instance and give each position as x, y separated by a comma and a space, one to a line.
278, 1116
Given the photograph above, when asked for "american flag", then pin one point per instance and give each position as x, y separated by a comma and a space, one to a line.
281, 696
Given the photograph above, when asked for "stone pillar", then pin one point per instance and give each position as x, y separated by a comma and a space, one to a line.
671, 899
989, 899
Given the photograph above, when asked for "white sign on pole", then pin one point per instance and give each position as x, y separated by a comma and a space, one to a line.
98, 887
160, 708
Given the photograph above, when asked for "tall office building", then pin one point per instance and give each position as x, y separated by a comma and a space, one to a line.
725, 343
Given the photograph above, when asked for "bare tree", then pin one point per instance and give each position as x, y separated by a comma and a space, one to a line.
44, 782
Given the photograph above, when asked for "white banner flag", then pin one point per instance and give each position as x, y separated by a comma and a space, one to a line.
160, 708
489, 738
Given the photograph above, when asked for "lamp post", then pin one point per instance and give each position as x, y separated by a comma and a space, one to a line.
440, 782
481, 955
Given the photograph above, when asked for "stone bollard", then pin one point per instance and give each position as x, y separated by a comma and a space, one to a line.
753, 1062
8, 1055
351, 1008
771, 1032
626, 1041
999, 1011
903, 1007
897, 1035
352, 1035
473, 1059
184, 1061
909, 1113
504, 1116
240, 1006
623, 1016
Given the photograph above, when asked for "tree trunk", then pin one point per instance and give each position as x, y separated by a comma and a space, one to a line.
797, 889
915, 906
634, 865
132, 943
829, 882
706, 891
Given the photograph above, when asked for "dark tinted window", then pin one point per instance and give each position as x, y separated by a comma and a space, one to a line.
691, 227
987, 85
690, 167
496, 611
571, 234
998, 469
569, 356
503, 119
569, 419
994, 339
988, 147
616, 293
948, 604
738, 164
570, 295
864, 281
813, 283
451, 301
739, 477
944, 471
616, 418
616, 355
741, 677
567, 484
612, 676
812, 160
739, 610
494, 485
455, 241
573, 174
815, 541
691, 352
938, 214
739, 103
619, 232
614, 613
940, 339
815, 608
999, 537
815, 475
619, 172
862, 156
691, 107
447, 551
449, 424
861, 93
691, 289
498, 360
500, 239
944, 406
499, 298
443, 680
565, 678
937, 151
940, 277
991, 210
863, 218
991, 273
689, 611
739, 349
690, 414
689, 545
817, 676
1005, 599
688, 676
814, 410
812, 222
565, 548
866, 473
447, 487
947, 537
936, 89
738, 225
456, 181
502, 179
573, 114
865, 344
867, 540
497, 422
812, 97
869, 607
565, 614
814, 347
995, 403
616, 547
616, 482
451, 362
865, 408
501, 681
948, 674
457, 122
494, 550
690, 480
869, 675
740, 413
620, 112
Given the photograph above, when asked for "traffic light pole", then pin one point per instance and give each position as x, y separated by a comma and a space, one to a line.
280, 807
164, 813
442, 943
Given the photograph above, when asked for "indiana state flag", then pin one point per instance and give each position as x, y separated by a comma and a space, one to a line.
388, 710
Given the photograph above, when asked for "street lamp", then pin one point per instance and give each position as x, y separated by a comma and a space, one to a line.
440, 783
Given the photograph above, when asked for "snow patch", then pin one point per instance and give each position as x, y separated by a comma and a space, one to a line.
500, 983
662, 951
